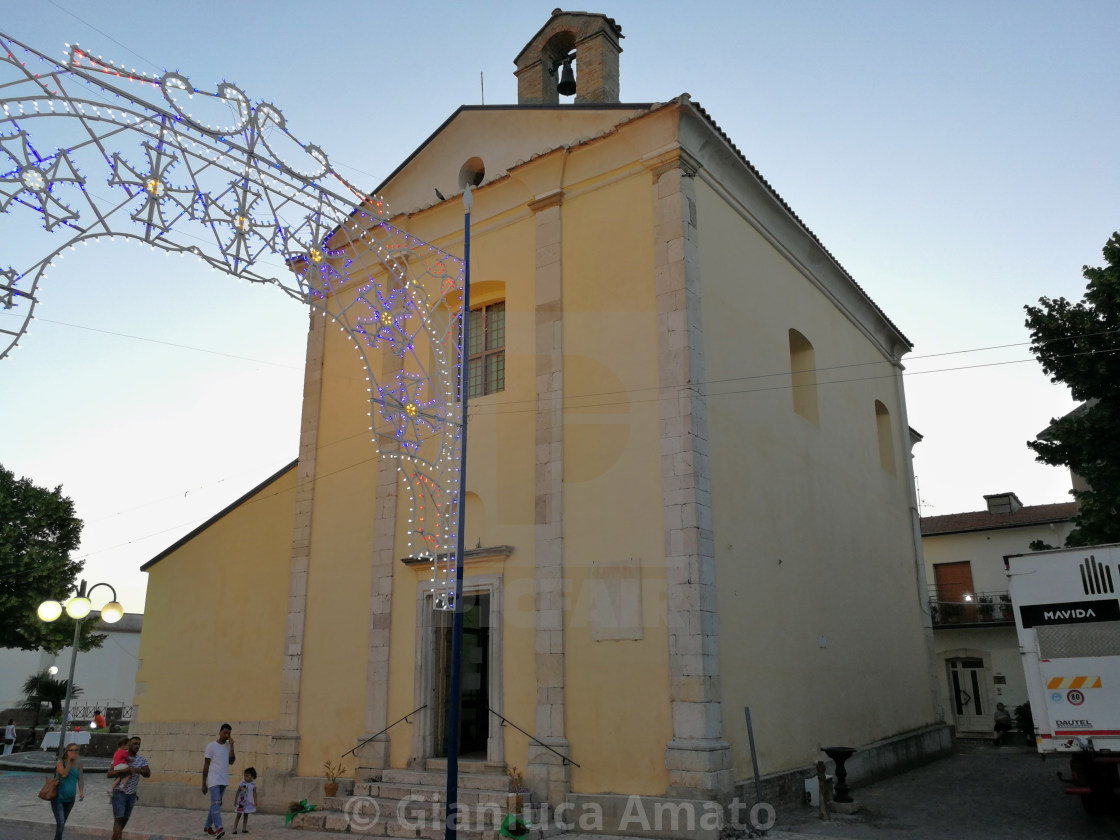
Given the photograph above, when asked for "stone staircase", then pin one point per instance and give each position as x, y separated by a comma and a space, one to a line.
411, 804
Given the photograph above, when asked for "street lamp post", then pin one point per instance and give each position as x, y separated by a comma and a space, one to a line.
78, 608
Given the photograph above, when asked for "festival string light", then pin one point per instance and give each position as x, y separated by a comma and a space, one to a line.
94, 150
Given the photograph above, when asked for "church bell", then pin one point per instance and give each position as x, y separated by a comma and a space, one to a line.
567, 85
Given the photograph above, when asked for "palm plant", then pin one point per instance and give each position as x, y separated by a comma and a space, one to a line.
43, 688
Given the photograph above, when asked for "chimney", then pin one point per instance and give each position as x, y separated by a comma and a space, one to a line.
594, 39
1003, 503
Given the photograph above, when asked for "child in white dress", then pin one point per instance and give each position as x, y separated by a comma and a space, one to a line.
246, 802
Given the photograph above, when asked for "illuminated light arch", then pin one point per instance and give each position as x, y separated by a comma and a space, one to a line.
93, 150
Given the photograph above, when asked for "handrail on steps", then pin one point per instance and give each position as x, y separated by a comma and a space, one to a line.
383, 731
505, 720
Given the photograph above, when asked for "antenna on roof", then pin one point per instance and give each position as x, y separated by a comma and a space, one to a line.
482, 85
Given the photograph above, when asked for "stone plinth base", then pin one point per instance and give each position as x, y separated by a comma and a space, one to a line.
699, 768
271, 799
371, 757
547, 776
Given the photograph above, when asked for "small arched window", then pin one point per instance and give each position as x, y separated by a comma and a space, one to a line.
886, 437
803, 369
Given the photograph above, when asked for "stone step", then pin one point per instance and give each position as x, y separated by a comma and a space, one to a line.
485, 815
468, 778
499, 768
409, 803
434, 793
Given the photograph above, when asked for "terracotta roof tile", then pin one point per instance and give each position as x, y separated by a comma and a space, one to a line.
981, 520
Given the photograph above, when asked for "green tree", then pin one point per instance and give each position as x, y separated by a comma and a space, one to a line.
1078, 344
38, 531
43, 688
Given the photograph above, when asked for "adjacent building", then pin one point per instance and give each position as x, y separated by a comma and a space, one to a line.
974, 627
106, 674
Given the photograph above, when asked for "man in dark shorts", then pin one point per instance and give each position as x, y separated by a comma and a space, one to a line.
124, 796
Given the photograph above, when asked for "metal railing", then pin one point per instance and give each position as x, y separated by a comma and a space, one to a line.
969, 608
536, 741
386, 729
81, 712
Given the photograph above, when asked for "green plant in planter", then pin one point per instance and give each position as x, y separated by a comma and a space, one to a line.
986, 608
952, 611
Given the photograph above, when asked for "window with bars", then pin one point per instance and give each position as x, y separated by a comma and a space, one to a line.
486, 364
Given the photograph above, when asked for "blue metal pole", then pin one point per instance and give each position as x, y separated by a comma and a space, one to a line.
455, 692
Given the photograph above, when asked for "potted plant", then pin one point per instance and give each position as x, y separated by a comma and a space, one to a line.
986, 607
515, 802
952, 611
514, 826
330, 788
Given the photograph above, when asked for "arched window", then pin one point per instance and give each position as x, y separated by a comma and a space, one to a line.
803, 368
886, 437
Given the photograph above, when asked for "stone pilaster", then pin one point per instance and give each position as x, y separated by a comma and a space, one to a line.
375, 755
284, 752
697, 757
547, 777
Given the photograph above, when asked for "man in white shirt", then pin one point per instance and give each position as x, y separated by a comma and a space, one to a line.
9, 736
215, 777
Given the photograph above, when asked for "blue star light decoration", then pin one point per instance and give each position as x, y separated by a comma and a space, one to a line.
152, 158
36, 180
163, 204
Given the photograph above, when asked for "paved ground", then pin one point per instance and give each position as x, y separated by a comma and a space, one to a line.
979, 793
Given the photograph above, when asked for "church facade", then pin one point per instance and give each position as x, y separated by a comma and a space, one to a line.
672, 513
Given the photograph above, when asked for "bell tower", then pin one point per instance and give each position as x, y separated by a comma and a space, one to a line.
587, 39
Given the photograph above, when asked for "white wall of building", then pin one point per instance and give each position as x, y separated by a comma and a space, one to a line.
106, 675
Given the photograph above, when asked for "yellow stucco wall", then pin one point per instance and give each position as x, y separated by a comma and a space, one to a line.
213, 635
215, 616
611, 469
336, 629
814, 545
617, 691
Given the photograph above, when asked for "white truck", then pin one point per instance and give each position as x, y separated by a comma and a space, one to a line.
1067, 614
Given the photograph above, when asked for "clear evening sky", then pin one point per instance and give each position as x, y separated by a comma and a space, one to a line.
958, 158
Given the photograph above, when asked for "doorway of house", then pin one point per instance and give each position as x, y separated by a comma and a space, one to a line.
968, 693
474, 706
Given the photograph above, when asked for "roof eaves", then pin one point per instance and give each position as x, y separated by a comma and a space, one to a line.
596, 106
777, 197
227, 509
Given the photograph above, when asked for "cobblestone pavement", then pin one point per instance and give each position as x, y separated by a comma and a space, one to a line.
978, 793
93, 817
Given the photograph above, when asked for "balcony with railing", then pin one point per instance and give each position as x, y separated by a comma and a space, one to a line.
969, 609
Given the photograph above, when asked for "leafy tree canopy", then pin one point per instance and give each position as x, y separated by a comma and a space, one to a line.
38, 530
1078, 344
